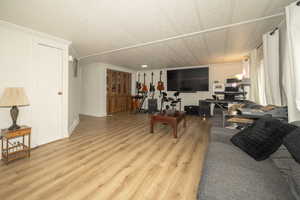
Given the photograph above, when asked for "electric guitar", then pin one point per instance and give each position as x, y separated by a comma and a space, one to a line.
160, 84
152, 86
144, 88
135, 103
138, 84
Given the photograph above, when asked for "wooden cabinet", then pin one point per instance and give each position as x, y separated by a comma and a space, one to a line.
118, 91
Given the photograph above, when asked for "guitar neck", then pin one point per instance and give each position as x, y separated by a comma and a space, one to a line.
152, 78
160, 76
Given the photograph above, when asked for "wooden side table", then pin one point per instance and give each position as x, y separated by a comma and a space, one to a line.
13, 150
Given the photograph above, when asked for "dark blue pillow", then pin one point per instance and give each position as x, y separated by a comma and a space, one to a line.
263, 138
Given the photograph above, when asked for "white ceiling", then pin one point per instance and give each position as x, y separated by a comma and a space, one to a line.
96, 26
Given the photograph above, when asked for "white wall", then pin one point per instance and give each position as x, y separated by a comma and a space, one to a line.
17, 70
217, 72
221, 72
74, 93
93, 88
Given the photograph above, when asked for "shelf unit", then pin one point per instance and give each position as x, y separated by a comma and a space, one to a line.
13, 144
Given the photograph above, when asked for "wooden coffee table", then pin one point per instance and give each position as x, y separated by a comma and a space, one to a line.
173, 120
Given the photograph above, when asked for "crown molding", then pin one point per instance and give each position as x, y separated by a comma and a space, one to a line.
33, 32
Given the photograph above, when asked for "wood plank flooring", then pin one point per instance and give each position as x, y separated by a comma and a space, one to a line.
112, 158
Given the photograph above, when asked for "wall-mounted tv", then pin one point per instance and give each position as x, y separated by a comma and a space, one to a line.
188, 80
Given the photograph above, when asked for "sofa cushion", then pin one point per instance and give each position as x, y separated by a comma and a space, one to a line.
229, 174
222, 134
292, 143
282, 159
294, 179
263, 138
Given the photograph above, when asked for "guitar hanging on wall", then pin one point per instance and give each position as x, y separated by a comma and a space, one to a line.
145, 88
152, 86
138, 84
160, 84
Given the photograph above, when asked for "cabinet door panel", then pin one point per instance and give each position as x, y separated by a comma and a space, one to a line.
118, 91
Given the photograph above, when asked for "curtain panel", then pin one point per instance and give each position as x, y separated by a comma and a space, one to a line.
257, 89
271, 68
254, 65
293, 38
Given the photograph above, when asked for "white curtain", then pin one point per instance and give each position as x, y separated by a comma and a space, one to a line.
257, 89
261, 83
293, 38
254, 65
246, 75
271, 68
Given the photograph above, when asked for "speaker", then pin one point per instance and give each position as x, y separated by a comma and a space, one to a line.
191, 110
204, 108
152, 105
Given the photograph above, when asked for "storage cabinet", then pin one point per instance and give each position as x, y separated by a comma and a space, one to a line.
118, 91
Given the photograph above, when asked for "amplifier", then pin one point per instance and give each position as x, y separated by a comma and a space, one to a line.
191, 110
152, 105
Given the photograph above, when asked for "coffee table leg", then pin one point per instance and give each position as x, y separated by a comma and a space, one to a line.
152, 126
175, 130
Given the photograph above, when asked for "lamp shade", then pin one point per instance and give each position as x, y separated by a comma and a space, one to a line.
14, 97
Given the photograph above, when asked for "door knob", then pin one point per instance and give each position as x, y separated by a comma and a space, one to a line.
59, 93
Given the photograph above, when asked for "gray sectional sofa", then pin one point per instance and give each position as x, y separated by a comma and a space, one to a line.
230, 174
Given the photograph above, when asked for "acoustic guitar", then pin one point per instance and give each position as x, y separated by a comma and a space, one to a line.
160, 84
145, 88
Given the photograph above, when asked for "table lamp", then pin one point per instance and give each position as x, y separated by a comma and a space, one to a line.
14, 97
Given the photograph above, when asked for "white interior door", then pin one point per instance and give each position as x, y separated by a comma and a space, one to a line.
48, 100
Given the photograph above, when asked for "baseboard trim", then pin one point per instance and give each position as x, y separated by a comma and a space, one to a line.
95, 115
73, 126
102, 115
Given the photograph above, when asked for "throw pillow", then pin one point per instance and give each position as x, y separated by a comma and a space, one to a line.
292, 143
263, 138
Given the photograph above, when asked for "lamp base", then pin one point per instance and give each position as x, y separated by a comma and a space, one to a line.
14, 127
14, 112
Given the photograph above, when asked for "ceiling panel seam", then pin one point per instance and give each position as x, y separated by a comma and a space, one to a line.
201, 27
233, 8
174, 28
183, 41
185, 35
172, 57
258, 26
174, 51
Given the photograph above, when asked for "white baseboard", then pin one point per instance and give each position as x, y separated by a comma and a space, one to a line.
73, 126
102, 115
95, 114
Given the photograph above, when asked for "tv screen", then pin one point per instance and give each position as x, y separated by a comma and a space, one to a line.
188, 80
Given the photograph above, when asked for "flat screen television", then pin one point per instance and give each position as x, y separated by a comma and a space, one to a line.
188, 80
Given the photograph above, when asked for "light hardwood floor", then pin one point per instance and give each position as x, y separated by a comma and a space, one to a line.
112, 158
